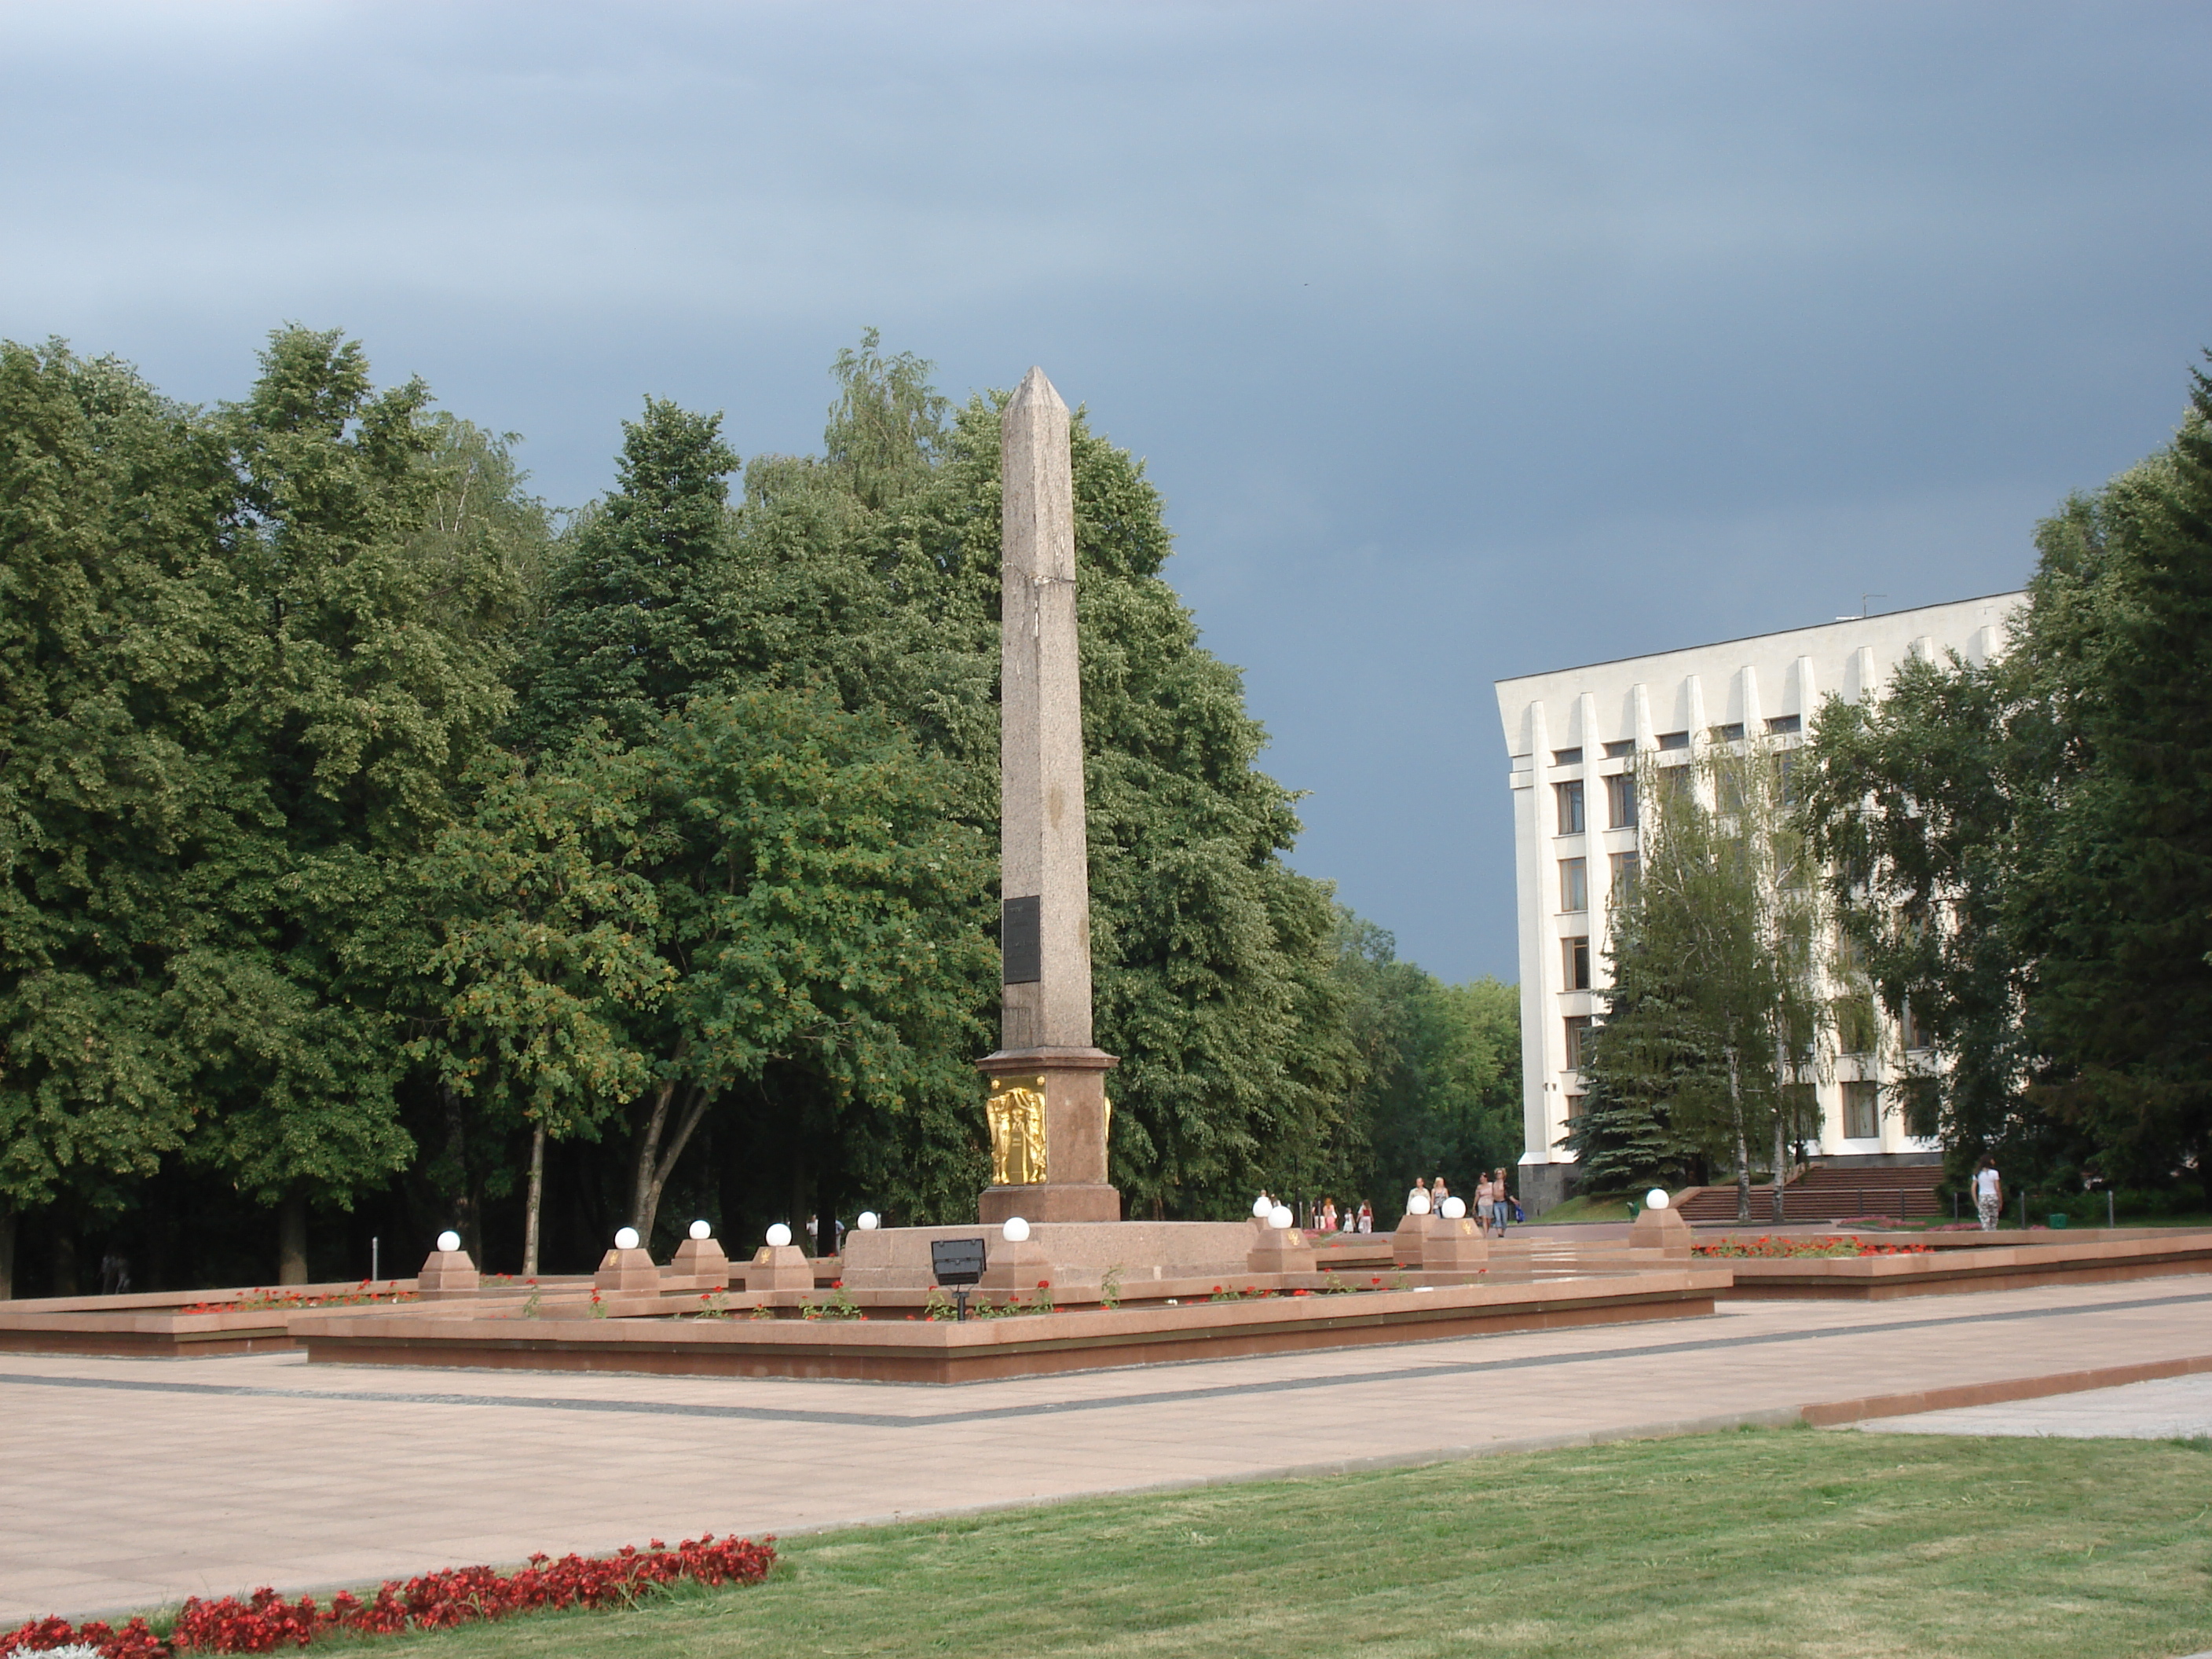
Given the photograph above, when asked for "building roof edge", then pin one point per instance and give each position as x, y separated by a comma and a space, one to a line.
1740, 639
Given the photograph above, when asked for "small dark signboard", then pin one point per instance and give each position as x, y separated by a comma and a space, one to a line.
1021, 940
957, 1260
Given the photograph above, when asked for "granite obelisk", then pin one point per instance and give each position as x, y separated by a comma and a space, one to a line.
1047, 1110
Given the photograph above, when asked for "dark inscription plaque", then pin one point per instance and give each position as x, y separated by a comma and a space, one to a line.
1021, 940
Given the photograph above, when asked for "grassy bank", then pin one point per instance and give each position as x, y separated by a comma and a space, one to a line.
1766, 1543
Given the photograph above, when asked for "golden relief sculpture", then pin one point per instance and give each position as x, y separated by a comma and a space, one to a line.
1016, 1110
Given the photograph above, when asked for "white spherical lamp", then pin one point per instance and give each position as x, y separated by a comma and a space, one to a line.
1015, 1230
702, 1231
1280, 1218
1656, 1199
870, 1221
1262, 1207
626, 1239
449, 1240
1418, 1204
1454, 1209
778, 1236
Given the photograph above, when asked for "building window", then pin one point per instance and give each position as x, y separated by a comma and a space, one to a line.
1620, 802
1862, 1111
1620, 750
1579, 1036
1570, 806
1785, 779
1916, 1033
1566, 758
1577, 1105
1856, 1032
1732, 732
1672, 783
1784, 725
1574, 883
1574, 962
1626, 866
1674, 739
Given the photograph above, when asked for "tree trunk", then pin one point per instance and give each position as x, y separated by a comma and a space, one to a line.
292, 1239
64, 1271
799, 1185
1781, 1163
645, 1152
536, 1201
467, 1221
6, 1249
1742, 1145
655, 1164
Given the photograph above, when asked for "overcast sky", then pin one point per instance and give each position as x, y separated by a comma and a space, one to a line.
1464, 341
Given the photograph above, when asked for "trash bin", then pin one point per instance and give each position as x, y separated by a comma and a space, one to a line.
2059, 1218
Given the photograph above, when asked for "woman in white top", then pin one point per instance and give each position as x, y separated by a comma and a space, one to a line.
1484, 1196
1988, 1194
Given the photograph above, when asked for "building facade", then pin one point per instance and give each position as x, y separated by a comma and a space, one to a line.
1574, 737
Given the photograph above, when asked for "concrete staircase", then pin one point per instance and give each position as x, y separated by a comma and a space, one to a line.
1828, 1193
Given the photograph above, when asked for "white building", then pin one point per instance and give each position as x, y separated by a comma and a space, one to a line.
1573, 736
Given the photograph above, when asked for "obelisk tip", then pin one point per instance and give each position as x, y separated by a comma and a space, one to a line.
1037, 389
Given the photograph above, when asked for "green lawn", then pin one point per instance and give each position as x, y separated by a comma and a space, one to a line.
1584, 1206
1755, 1543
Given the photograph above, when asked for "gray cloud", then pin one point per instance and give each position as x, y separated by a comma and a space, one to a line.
1464, 341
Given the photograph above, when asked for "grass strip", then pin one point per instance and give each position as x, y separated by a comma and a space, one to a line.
1757, 1543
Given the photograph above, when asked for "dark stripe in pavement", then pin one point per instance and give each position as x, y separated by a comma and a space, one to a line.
1104, 1402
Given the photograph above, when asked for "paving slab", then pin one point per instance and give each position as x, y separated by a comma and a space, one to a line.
128, 1482
2173, 1408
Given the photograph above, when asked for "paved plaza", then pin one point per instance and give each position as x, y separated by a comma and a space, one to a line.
2173, 1408
130, 1483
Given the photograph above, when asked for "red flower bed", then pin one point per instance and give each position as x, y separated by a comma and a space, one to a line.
1770, 1246
265, 1622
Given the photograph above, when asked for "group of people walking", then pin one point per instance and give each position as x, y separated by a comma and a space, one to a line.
1493, 1206
1494, 1200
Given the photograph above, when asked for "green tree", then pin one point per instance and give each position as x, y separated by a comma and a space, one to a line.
1435, 1086
1919, 807
109, 792
1719, 950
2025, 847
368, 643
2120, 923
814, 894
546, 961
635, 623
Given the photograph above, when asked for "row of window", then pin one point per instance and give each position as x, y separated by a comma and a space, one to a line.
1861, 1109
1781, 726
1856, 1030
1574, 879
1619, 804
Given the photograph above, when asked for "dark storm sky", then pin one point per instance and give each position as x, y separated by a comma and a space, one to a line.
1463, 341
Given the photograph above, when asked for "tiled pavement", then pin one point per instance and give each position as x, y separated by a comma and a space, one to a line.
2173, 1408
128, 1483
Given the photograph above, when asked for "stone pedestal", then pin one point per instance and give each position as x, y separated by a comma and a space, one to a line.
779, 1267
1081, 1254
1076, 1114
1454, 1246
1407, 1241
446, 1274
1011, 1269
626, 1273
1661, 1230
1280, 1250
698, 1265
